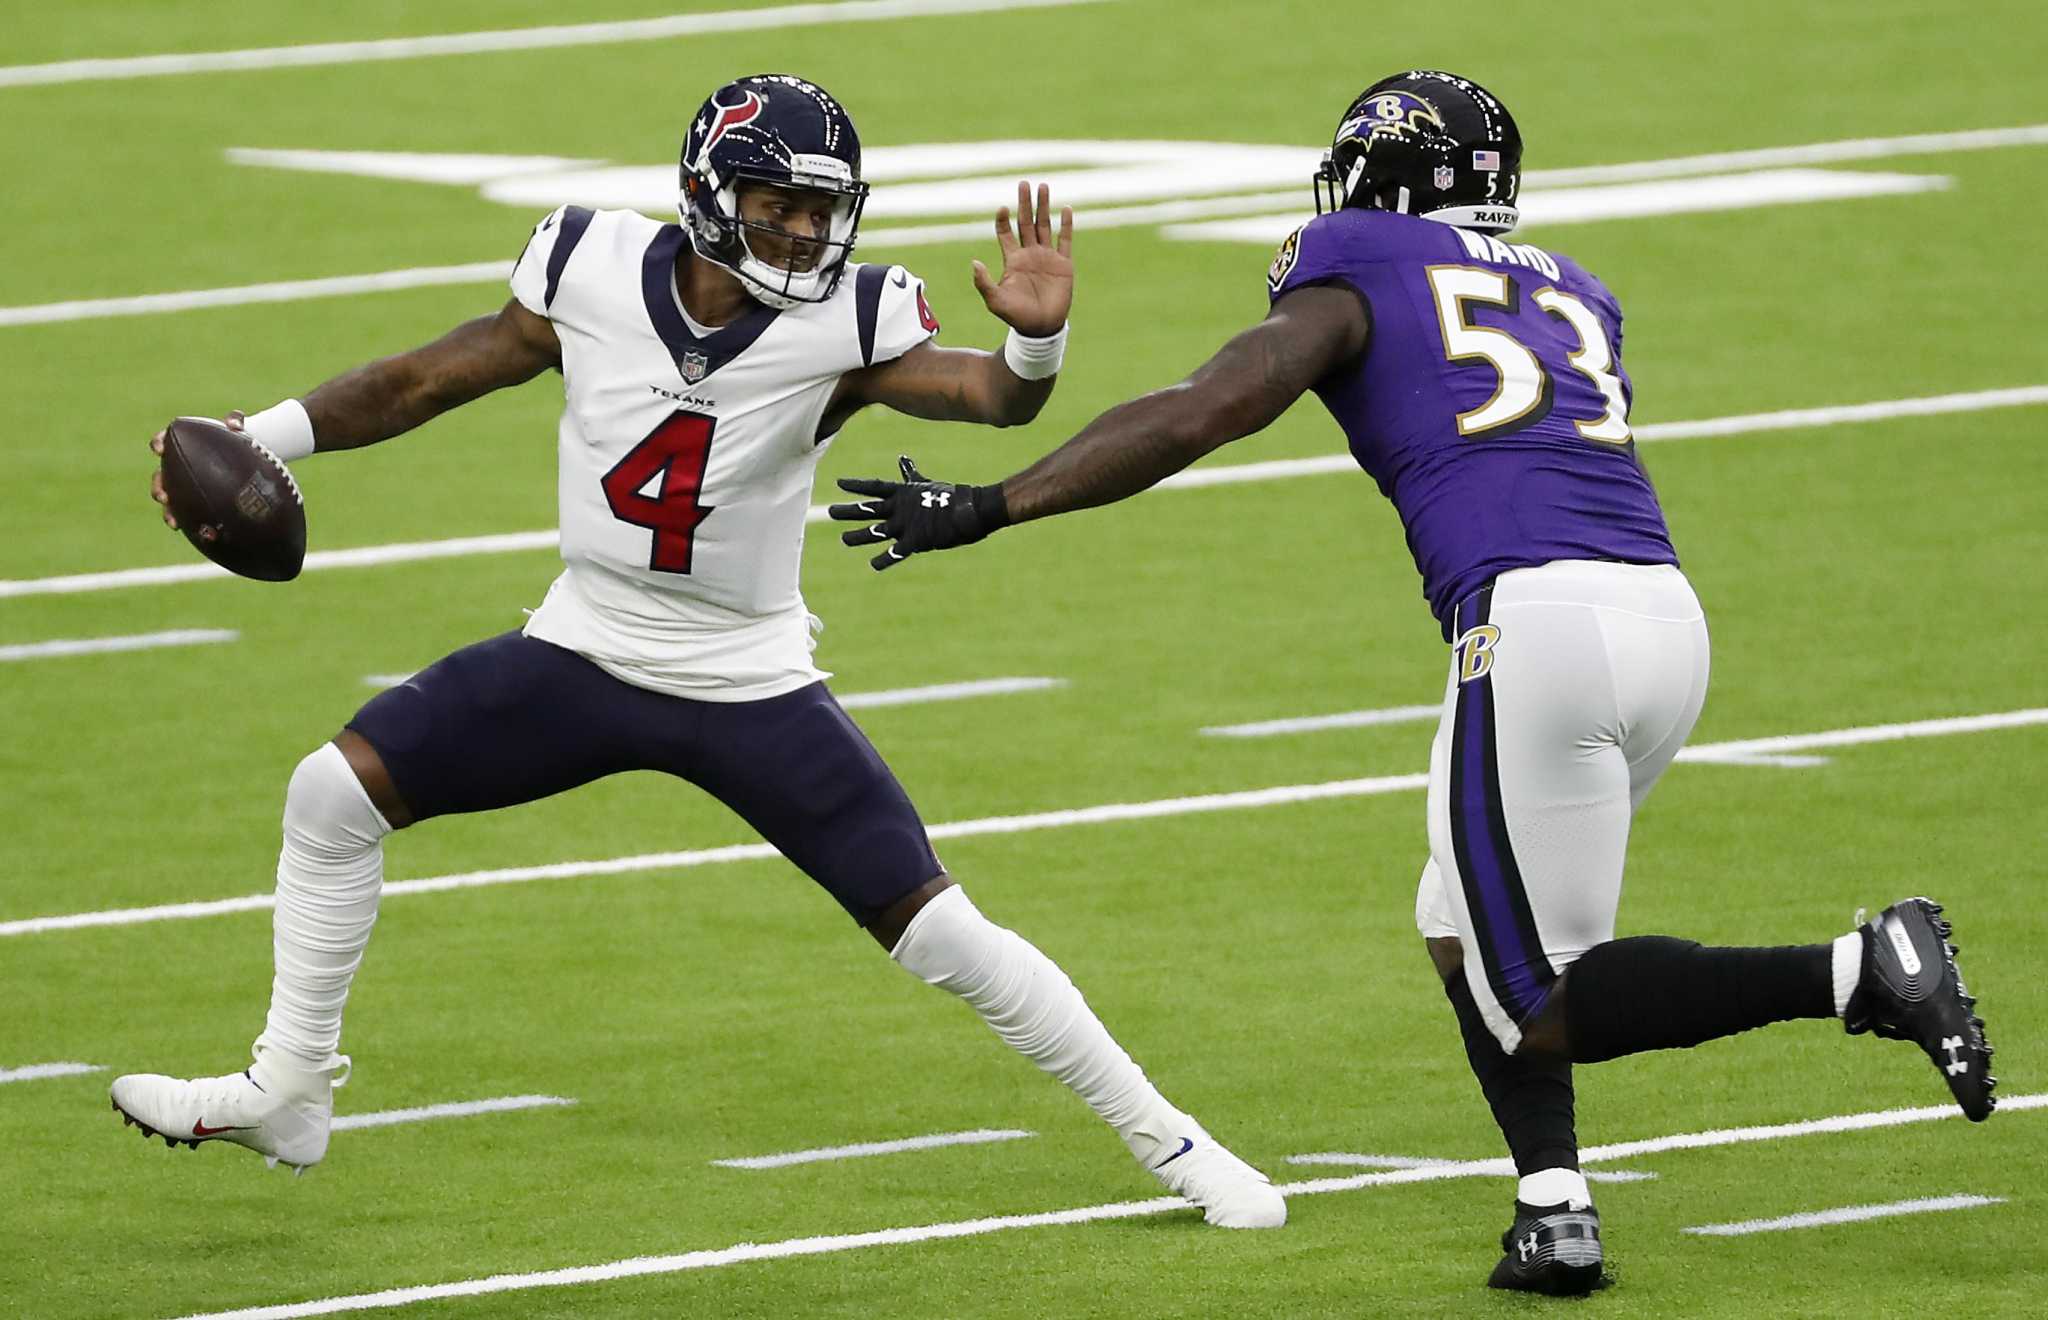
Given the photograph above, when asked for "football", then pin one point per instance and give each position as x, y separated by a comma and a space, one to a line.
234, 501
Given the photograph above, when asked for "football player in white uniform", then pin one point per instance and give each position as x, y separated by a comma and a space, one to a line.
705, 366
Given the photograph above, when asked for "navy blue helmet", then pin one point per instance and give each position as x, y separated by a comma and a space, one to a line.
771, 128
1426, 143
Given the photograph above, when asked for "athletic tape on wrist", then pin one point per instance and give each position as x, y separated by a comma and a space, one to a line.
1035, 359
285, 430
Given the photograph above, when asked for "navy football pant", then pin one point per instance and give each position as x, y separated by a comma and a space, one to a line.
513, 719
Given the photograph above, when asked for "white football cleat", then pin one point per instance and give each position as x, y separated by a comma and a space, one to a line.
1192, 1164
280, 1113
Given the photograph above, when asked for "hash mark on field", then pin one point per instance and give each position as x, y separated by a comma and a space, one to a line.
1228, 474
476, 43
1107, 813
861, 1150
105, 645
643, 1266
37, 1071
504, 1104
1848, 1214
1506, 1167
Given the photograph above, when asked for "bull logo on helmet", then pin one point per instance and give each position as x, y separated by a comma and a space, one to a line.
729, 117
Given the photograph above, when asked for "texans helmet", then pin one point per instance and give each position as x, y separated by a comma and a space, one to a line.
1428, 144
777, 129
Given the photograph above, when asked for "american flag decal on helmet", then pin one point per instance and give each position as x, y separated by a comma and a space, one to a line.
1486, 160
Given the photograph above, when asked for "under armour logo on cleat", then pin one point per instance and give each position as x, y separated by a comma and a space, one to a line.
1956, 1062
1526, 1248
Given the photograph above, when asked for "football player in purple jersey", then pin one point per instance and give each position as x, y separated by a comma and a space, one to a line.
1479, 383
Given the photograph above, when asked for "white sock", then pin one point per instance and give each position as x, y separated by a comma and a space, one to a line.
1848, 967
1565, 1187
329, 875
1030, 1003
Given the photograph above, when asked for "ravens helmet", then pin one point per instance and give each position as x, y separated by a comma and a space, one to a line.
784, 131
1429, 144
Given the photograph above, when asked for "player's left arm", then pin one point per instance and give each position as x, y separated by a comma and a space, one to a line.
1032, 297
1250, 381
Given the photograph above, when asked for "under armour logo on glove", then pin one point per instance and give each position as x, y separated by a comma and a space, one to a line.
918, 514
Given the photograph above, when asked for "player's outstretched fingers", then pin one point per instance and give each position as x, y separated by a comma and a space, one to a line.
866, 536
865, 511
887, 559
1066, 243
868, 486
983, 285
1027, 224
1044, 216
1006, 239
233, 421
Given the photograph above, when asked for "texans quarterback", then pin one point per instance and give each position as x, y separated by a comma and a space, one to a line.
705, 367
1480, 384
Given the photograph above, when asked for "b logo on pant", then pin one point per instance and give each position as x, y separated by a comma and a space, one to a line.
1475, 651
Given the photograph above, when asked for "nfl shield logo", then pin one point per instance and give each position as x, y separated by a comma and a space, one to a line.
1444, 178
694, 367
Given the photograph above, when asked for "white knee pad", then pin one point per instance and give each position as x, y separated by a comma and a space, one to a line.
327, 811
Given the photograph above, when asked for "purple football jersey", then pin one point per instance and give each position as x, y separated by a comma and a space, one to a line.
1490, 404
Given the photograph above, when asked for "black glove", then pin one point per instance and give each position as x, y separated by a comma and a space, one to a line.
919, 514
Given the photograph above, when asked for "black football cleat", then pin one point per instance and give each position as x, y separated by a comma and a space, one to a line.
1910, 989
1551, 1249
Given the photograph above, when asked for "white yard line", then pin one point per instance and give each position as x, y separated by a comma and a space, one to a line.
1753, 750
1848, 1214
1350, 719
1814, 153
475, 43
644, 1266
1506, 1169
151, 304
1107, 813
508, 542
504, 1104
35, 1072
103, 645
979, 1136
912, 696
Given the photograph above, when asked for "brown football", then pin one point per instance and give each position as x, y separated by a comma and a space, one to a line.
233, 500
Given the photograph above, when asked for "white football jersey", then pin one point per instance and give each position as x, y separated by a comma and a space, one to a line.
687, 455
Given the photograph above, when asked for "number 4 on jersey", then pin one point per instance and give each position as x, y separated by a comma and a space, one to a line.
678, 451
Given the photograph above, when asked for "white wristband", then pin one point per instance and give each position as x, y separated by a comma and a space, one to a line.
285, 430
1035, 359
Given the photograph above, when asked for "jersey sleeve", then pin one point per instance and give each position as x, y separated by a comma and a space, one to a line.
537, 275
892, 311
1309, 255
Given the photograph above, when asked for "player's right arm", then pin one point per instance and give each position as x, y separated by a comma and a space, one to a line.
1311, 332
393, 395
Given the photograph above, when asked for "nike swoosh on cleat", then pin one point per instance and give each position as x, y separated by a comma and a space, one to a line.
901, 279
1186, 1144
201, 1130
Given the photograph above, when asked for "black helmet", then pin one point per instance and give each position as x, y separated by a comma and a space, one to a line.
1429, 144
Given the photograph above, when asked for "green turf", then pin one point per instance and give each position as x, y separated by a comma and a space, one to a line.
1261, 963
